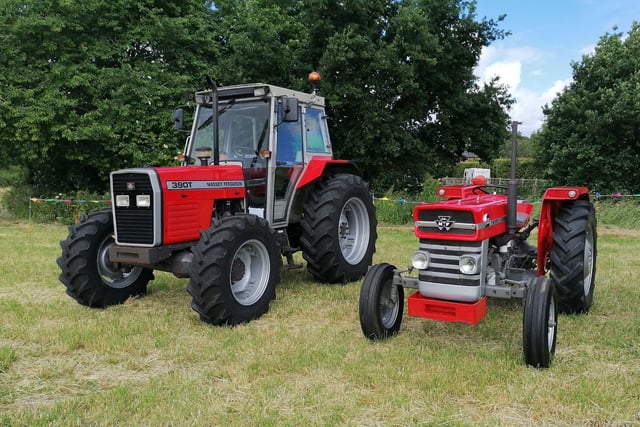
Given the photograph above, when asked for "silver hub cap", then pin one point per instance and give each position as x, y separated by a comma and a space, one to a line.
588, 262
551, 324
111, 275
250, 272
353, 231
389, 306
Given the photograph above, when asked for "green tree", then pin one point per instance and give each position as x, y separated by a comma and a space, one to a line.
261, 41
397, 75
400, 86
525, 148
592, 131
88, 87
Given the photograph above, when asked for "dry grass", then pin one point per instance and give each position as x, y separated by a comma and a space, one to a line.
152, 362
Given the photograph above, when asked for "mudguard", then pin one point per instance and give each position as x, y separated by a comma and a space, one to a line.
319, 166
553, 198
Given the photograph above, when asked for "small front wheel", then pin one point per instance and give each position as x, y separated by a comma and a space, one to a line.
381, 303
540, 323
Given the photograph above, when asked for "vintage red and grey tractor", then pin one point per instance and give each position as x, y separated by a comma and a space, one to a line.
258, 181
473, 245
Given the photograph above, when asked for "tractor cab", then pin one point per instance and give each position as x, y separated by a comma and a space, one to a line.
269, 131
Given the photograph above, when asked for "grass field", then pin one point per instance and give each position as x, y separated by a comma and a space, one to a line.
151, 361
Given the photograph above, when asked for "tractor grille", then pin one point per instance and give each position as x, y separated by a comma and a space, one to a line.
134, 225
444, 262
446, 221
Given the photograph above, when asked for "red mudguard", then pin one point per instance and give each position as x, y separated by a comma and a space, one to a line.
552, 201
318, 165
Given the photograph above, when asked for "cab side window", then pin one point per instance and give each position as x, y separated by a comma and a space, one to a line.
289, 143
317, 137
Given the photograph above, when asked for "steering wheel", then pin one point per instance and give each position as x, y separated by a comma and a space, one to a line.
482, 189
242, 152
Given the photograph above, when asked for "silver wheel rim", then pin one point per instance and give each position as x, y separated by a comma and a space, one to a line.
353, 231
588, 261
389, 305
250, 271
115, 278
551, 324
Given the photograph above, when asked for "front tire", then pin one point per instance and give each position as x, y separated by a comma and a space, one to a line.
539, 323
235, 270
573, 257
339, 229
86, 271
381, 303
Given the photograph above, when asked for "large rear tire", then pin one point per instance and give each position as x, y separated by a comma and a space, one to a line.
539, 323
339, 229
381, 303
86, 271
573, 257
235, 270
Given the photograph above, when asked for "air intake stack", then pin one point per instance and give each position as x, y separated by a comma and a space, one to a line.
512, 188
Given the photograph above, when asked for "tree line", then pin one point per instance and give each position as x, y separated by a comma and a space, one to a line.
592, 131
89, 87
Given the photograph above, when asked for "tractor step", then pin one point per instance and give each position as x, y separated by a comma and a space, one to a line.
446, 311
291, 265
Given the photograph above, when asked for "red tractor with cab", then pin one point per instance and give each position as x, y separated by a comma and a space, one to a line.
258, 181
473, 245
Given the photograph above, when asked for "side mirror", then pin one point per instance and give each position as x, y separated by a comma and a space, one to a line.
290, 110
178, 118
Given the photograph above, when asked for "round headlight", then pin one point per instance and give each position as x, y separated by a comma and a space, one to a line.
420, 260
469, 264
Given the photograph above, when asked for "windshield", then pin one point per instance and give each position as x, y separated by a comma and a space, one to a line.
243, 130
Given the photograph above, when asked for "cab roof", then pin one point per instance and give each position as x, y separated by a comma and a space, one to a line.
251, 90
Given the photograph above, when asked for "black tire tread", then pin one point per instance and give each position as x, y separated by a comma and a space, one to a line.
567, 256
320, 249
369, 302
209, 280
534, 323
78, 264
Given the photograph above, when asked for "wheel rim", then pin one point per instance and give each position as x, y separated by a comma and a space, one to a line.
552, 324
588, 261
353, 230
250, 271
110, 275
389, 306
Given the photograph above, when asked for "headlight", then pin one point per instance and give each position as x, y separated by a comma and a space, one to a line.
469, 264
122, 201
420, 260
143, 200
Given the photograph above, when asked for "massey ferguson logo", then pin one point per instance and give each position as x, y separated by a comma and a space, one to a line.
444, 223
131, 186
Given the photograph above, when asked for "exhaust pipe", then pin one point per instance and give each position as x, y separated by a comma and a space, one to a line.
512, 188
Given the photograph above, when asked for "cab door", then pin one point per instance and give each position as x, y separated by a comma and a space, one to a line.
288, 165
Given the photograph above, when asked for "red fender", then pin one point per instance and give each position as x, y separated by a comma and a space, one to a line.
552, 201
318, 165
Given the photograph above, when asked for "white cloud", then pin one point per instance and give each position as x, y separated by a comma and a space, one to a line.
508, 72
508, 65
554, 90
588, 50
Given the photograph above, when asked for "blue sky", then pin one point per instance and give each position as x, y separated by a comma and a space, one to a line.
547, 35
